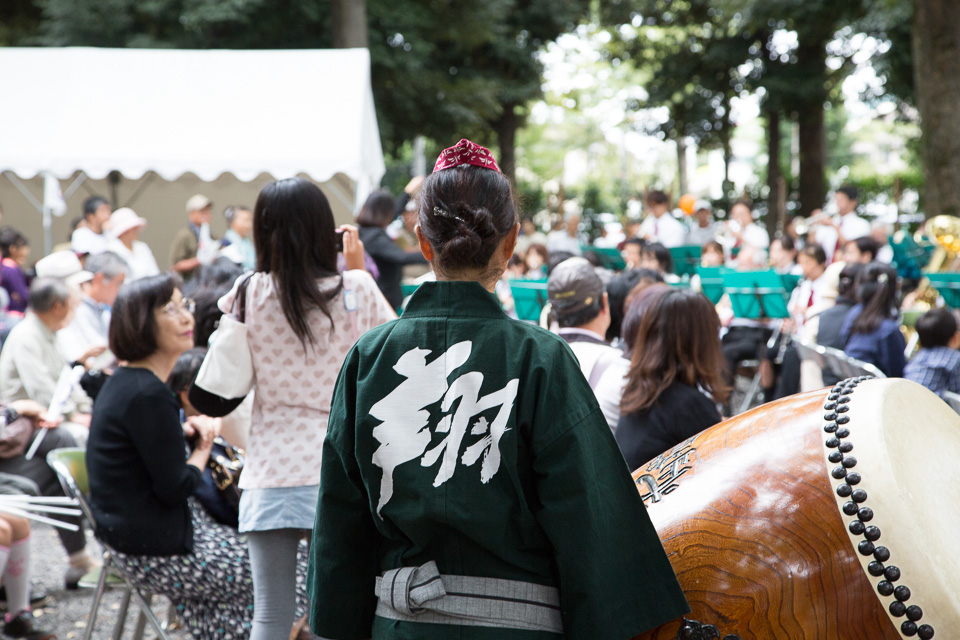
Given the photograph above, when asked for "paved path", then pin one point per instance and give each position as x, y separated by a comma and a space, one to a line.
68, 611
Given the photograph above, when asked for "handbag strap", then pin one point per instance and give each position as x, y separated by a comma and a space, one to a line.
240, 300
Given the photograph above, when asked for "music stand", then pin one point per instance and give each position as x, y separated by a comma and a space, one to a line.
711, 282
756, 294
610, 256
948, 286
529, 297
686, 259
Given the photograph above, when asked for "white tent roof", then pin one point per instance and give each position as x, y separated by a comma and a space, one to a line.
175, 111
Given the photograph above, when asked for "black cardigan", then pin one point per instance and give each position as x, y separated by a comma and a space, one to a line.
680, 412
136, 462
390, 261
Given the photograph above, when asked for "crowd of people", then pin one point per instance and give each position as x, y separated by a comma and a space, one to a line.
455, 441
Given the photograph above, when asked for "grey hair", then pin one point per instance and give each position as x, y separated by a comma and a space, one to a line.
45, 293
108, 263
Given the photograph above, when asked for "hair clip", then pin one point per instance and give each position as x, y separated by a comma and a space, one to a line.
440, 211
882, 278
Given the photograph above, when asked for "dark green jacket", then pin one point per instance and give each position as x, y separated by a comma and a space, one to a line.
461, 436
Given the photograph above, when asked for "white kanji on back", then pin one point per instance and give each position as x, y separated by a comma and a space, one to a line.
404, 433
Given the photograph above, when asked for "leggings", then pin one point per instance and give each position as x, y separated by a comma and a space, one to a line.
278, 562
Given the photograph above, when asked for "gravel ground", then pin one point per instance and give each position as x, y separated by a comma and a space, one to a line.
68, 611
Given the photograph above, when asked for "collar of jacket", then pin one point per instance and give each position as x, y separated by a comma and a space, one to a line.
453, 299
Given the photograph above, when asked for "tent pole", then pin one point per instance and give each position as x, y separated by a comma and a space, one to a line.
22, 188
79, 180
47, 231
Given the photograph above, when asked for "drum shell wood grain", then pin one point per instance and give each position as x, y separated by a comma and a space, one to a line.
749, 521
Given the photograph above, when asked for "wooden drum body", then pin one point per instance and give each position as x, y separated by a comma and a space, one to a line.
831, 515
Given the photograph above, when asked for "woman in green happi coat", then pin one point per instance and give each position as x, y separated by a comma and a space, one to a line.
470, 486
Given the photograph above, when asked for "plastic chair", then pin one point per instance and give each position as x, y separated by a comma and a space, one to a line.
70, 466
952, 399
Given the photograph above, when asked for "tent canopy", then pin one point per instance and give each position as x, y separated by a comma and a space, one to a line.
174, 111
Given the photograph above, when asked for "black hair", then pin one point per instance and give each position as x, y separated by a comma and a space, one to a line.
581, 317
514, 261
618, 289
295, 240
866, 244
877, 292
10, 238
786, 243
220, 273
638, 241
657, 197
850, 191
377, 210
91, 204
556, 257
816, 252
661, 254
936, 328
465, 213
846, 287
185, 371
206, 317
133, 327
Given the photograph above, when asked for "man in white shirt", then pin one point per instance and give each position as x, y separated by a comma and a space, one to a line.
704, 227
659, 225
583, 312
833, 233
567, 238
91, 321
91, 238
744, 229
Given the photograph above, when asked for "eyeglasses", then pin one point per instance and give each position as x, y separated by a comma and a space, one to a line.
174, 309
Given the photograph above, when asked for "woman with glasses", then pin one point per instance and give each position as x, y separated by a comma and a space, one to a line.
141, 481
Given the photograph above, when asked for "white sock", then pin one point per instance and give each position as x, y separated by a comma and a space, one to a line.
17, 577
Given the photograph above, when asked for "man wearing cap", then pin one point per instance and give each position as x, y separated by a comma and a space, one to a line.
567, 237
583, 312
125, 226
183, 252
91, 237
31, 362
90, 326
704, 228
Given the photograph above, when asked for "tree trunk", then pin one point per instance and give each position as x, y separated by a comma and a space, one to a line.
813, 158
349, 24
812, 64
682, 165
774, 174
506, 128
936, 57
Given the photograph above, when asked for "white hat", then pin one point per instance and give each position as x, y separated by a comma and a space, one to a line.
702, 204
63, 265
124, 219
198, 202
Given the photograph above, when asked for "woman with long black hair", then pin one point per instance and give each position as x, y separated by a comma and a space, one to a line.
302, 317
871, 330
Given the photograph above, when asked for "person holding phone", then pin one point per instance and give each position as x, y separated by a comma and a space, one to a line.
302, 318
378, 212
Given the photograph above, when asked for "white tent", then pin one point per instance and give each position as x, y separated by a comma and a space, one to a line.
214, 121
